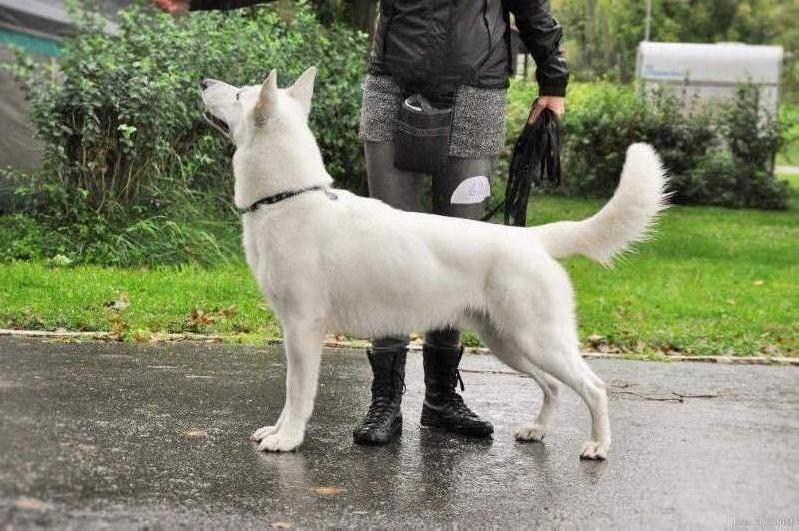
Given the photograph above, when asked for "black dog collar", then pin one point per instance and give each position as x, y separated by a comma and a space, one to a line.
272, 199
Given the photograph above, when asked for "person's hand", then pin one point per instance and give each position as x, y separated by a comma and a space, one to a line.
172, 6
556, 104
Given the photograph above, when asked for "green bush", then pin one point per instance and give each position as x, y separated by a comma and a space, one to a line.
718, 156
789, 126
599, 132
128, 156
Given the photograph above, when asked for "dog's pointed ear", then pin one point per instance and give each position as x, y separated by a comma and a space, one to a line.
302, 89
267, 97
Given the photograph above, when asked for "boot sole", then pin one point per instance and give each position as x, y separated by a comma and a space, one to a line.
435, 422
394, 432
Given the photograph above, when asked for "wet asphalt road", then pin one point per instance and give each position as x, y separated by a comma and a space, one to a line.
99, 434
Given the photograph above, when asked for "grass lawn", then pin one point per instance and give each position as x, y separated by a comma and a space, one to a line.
715, 281
134, 303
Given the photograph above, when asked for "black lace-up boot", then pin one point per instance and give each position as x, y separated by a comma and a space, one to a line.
443, 407
383, 421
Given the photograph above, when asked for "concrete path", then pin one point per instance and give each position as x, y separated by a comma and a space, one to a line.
787, 170
100, 434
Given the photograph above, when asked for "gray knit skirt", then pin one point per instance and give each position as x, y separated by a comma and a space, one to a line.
478, 117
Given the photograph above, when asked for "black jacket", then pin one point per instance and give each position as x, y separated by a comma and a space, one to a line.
430, 46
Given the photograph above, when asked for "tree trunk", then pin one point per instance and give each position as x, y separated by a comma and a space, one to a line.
363, 14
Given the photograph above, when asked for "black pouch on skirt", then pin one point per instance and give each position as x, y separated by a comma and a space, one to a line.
421, 137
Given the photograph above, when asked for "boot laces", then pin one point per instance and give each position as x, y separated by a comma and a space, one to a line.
382, 399
457, 400
459, 379
460, 406
378, 412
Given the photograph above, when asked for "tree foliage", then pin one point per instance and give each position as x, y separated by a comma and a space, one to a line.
603, 35
127, 154
721, 155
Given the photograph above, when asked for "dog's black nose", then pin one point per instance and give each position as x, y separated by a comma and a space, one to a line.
205, 83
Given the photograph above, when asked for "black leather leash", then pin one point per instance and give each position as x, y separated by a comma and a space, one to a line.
535, 164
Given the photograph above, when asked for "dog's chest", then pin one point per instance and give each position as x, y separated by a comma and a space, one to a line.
276, 254
256, 238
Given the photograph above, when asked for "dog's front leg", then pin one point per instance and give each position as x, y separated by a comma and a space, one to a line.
303, 343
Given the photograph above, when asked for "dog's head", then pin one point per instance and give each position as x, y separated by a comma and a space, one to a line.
245, 113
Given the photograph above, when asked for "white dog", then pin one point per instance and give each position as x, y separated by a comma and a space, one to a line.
328, 260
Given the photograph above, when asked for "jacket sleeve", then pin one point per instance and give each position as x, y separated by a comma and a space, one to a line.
223, 5
542, 34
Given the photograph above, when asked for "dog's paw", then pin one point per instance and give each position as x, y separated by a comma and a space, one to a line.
594, 450
263, 432
281, 441
531, 432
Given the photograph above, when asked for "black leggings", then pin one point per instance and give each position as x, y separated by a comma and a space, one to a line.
402, 189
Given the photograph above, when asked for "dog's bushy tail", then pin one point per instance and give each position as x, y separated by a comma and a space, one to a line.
627, 218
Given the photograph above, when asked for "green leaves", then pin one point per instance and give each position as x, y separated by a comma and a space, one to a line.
123, 129
719, 155
603, 35
129, 103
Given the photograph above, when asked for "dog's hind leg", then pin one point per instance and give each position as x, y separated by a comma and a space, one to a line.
540, 323
303, 344
551, 388
511, 355
564, 362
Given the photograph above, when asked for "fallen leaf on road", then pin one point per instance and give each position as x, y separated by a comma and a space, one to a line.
195, 434
29, 504
328, 491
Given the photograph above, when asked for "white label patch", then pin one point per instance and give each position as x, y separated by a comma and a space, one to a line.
472, 190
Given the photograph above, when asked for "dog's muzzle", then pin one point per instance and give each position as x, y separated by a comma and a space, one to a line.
216, 122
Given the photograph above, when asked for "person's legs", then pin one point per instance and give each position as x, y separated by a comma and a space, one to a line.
443, 338
398, 188
460, 190
402, 190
